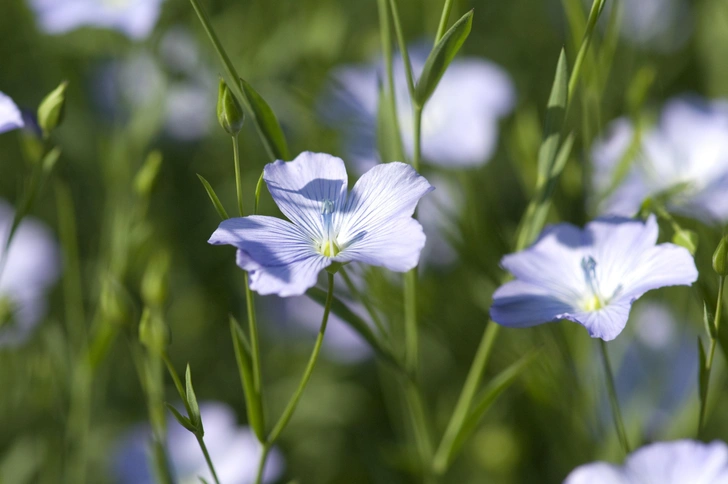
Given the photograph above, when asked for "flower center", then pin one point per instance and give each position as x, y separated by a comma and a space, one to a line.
595, 300
328, 246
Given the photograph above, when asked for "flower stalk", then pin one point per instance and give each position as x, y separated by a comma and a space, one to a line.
613, 399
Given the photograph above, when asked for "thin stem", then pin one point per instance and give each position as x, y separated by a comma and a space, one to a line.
443, 21
365, 300
291, 407
711, 352
596, 9
613, 400
403, 49
465, 401
417, 152
410, 322
386, 39
238, 175
261, 463
201, 441
419, 427
253, 328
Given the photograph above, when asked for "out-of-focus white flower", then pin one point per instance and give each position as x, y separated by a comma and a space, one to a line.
459, 122
684, 158
10, 117
678, 462
134, 18
234, 451
438, 215
32, 265
185, 98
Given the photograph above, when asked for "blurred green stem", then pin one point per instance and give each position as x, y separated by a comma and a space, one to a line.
357, 294
613, 399
403, 49
711, 352
238, 175
465, 401
261, 463
594, 13
293, 403
442, 28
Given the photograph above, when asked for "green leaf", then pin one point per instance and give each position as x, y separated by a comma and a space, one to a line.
441, 56
491, 392
213, 197
555, 111
253, 401
202, 480
266, 122
177, 382
708, 322
703, 373
686, 238
183, 421
191, 399
562, 156
258, 189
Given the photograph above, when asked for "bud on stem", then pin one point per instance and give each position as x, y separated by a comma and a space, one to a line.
229, 113
720, 264
52, 109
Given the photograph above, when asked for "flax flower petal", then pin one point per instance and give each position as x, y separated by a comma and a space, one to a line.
299, 188
279, 256
10, 117
377, 225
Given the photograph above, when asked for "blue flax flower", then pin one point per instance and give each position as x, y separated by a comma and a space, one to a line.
590, 276
10, 117
678, 462
373, 224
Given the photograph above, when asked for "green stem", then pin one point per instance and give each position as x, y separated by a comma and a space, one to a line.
254, 345
238, 175
386, 39
261, 463
410, 322
403, 49
365, 300
293, 403
443, 21
417, 155
596, 9
465, 401
613, 400
233, 77
711, 352
419, 427
201, 441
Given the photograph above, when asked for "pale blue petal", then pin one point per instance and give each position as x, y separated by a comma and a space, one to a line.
518, 304
597, 473
553, 262
299, 188
605, 323
279, 256
10, 117
377, 227
679, 462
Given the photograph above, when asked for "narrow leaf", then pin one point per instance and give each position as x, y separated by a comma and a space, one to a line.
253, 402
703, 374
213, 197
708, 322
183, 421
389, 140
563, 156
267, 123
192, 401
355, 322
202, 480
555, 111
441, 56
491, 392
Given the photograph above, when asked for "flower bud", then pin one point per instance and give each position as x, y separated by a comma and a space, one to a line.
229, 113
719, 257
52, 109
153, 333
154, 282
147, 174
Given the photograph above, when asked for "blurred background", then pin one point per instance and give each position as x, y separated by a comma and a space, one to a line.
144, 89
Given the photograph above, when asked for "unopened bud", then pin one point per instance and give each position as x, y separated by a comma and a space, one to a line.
147, 174
52, 109
153, 333
720, 264
229, 113
154, 282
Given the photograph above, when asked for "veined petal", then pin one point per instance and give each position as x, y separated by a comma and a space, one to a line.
660, 266
10, 117
553, 262
597, 473
605, 323
377, 225
680, 462
518, 304
279, 256
299, 188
